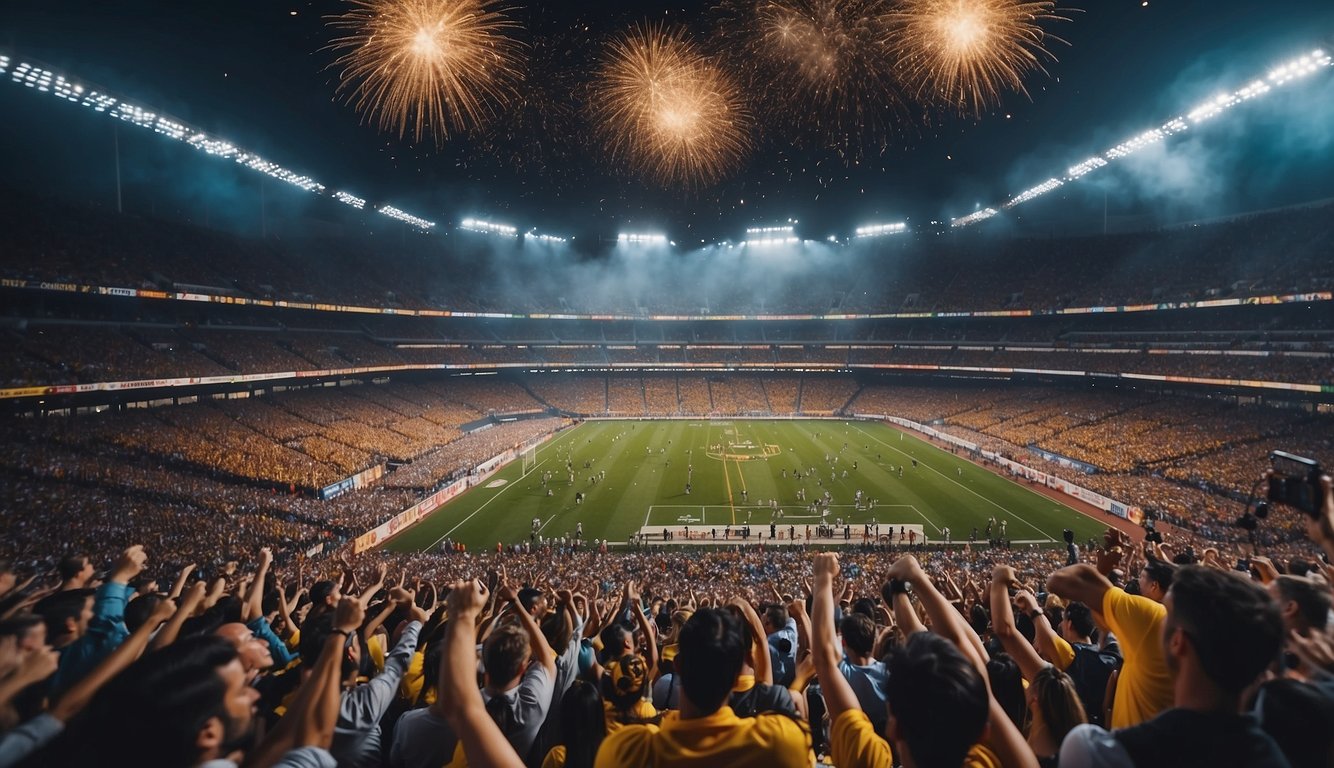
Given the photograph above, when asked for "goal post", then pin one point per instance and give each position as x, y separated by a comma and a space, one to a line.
529, 456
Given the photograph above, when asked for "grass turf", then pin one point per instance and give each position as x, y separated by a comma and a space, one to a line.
647, 463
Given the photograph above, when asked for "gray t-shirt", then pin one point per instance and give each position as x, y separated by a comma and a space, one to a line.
529, 702
422, 740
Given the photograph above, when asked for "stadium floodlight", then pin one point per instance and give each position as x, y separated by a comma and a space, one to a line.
879, 230
785, 229
4, 64
640, 238
1091, 164
973, 217
766, 242
487, 227
350, 199
1297, 68
406, 218
533, 234
1037, 191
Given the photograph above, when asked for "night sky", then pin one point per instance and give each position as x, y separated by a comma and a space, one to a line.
257, 72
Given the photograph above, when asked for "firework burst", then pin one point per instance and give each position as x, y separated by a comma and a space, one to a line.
667, 112
967, 53
819, 66
422, 67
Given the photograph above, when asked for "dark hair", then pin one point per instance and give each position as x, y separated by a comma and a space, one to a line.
504, 653
229, 608
859, 633
314, 633
776, 615
1160, 571
71, 566
1231, 622
158, 704
557, 630
979, 619
1007, 685
16, 626
139, 609
1313, 602
433, 657
930, 678
1297, 716
62, 607
320, 591
582, 724
713, 645
528, 598
1080, 618
613, 638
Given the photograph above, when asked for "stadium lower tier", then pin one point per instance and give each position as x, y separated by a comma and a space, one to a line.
324, 464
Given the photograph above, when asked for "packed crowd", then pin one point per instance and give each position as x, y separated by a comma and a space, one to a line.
1191, 461
1121, 654
63, 353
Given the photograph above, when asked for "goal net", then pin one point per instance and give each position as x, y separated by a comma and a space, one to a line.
529, 456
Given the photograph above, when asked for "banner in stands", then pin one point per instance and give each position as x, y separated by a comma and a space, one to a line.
1131, 513
114, 386
37, 285
359, 480
410, 516
1064, 461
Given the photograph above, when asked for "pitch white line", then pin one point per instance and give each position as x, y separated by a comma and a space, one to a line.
508, 486
956, 482
928, 520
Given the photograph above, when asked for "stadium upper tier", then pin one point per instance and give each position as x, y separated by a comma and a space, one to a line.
75, 344
1282, 253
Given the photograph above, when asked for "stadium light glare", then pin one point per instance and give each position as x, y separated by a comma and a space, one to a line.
487, 227
784, 229
639, 238
1294, 69
533, 234
350, 199
1037, 191
973, 217
767, 242
406, 218
879, 230
65, 88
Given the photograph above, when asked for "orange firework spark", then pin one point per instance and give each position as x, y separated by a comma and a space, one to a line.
426, 66
819, 66
666, 111
967, 53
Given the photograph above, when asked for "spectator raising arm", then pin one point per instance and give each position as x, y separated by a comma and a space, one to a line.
1002, 622
838, 694
483, 743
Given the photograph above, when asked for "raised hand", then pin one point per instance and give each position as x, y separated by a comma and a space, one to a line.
349, 615
467, 598
130, 564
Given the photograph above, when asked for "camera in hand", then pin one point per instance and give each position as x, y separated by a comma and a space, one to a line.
1069, 536
1295, 481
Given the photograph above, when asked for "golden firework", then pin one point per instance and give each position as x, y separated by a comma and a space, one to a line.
968, 53
426, 66
666, 111
819, 66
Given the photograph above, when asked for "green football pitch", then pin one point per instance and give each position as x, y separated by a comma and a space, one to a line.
632, 476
